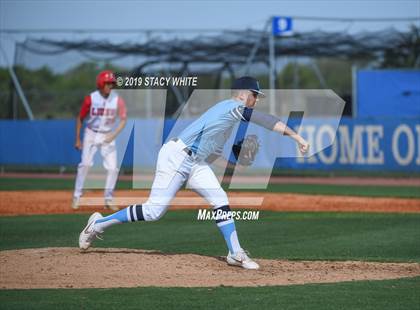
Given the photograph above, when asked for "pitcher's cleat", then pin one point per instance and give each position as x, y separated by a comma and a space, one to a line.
88, 233
109, 205
241, 259
75, 203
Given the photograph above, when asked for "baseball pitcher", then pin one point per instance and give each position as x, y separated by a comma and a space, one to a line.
186, 159
101, 109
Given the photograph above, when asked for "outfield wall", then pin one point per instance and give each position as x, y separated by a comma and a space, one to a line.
366, 144
388, 93
361, 144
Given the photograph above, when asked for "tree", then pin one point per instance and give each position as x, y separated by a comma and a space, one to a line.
407, 52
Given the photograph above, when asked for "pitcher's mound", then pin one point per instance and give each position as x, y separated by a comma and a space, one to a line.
106, 268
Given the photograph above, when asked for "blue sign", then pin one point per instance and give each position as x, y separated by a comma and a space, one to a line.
362, 144
282, 26
391, 144
388, 93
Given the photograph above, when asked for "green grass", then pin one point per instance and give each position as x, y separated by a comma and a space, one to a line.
316, 189
347, 190
127, 170
9, 184
394, 294
345, 173
296, 236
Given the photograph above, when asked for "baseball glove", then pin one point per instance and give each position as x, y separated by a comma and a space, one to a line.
246, 150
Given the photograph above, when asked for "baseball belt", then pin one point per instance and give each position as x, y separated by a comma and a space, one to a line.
185, 149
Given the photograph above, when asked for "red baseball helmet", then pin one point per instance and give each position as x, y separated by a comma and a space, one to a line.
103, 77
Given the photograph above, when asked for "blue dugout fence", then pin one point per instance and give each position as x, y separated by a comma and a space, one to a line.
359, 144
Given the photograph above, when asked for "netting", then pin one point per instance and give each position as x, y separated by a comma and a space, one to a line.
216, 59
231, 47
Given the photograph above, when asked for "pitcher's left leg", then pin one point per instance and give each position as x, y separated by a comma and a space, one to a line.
203, 181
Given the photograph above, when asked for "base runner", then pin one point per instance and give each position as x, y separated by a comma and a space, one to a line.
100, 109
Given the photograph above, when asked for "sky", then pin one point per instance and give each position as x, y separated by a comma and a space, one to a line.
190, 15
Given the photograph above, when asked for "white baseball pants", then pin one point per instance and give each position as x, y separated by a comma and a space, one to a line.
91, 142
174, 168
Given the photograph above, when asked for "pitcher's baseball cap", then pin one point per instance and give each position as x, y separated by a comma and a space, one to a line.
249, 83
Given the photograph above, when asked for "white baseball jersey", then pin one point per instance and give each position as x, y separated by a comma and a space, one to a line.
102, 112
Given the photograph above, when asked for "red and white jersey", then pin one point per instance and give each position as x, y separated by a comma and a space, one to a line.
102, 112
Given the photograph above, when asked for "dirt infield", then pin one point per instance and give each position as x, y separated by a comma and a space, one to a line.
59, 202
107, 268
